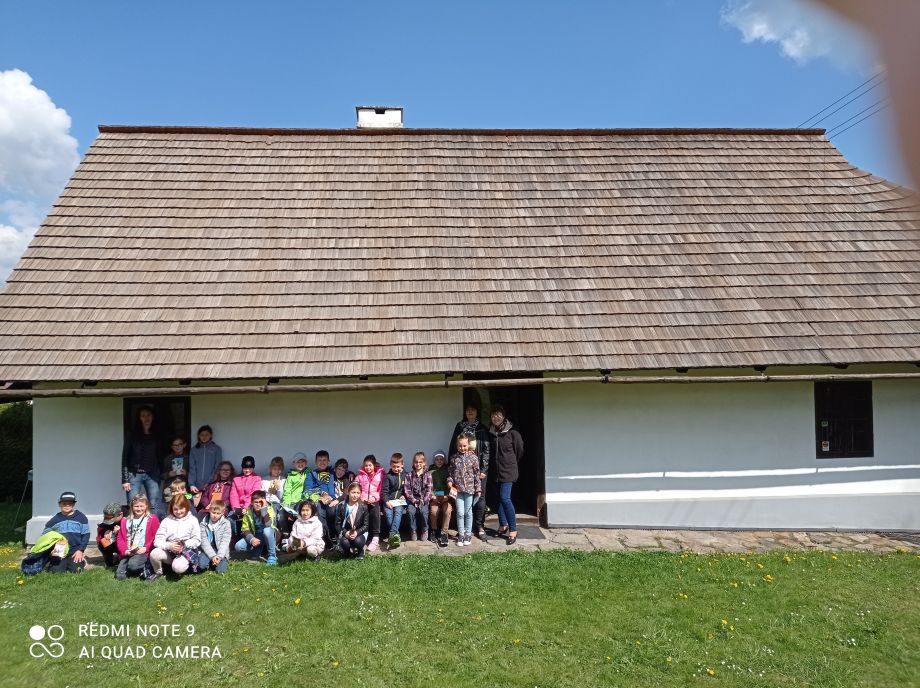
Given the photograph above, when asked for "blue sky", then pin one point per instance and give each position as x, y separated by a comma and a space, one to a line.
477, 63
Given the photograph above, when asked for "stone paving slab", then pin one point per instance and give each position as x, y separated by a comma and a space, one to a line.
637, 540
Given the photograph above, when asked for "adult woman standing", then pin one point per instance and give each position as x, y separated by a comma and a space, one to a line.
507, 450
141, 458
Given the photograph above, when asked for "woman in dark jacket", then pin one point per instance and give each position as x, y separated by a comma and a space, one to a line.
479, 445
507, 450
141, 458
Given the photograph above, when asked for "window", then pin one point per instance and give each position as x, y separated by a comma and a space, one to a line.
843, 419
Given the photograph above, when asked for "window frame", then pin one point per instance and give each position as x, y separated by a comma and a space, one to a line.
832, 399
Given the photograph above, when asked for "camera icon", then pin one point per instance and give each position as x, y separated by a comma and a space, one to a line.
54, 649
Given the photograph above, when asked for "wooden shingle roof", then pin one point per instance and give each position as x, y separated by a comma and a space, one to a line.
219, 253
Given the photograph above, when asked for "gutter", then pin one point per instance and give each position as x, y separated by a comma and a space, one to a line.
187, 390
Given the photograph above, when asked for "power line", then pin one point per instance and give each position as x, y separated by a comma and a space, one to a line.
864, 110
864, 83
860, 120
846, 104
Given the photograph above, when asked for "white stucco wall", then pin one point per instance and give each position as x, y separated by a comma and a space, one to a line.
78, 442
724, 456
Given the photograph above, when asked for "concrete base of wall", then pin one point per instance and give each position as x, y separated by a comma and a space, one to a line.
893, 512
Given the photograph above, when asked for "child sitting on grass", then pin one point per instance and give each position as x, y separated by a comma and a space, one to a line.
216, 535
307, 533
351, 520
393, 496
107, 534
135, 538
176, 541
258, 530
441, 504
418, 495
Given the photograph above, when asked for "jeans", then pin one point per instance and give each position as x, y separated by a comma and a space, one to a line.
132, 565
266, 544
506, 515
326, 516
352, 548
394, 518
418, 517
464, 514
204, 563
144, 483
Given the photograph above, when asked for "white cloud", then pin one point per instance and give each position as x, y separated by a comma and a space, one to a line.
37, 156
803, 30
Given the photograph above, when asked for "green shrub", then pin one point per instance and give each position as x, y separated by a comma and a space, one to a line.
15, 448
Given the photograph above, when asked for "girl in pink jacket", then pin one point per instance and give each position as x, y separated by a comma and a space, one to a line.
135, 538
370, 478
244, 485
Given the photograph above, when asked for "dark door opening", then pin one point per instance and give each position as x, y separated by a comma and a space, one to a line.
524, 407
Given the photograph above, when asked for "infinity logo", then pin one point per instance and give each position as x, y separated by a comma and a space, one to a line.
53, 649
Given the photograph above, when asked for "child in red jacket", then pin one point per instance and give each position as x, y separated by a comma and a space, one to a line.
135, 538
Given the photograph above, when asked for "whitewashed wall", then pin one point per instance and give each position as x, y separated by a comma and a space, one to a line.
724, 456
78, 442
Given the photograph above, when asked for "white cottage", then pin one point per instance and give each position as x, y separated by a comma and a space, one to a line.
691, 328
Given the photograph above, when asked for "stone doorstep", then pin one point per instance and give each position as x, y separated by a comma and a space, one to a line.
636, 540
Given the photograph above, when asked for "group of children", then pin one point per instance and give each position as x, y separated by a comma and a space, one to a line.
304, 513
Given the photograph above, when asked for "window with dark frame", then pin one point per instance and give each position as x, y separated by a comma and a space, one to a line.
843, 420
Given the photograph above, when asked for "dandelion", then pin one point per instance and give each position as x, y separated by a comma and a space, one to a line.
711, 671
768, 578
834, 557
517, 641
668, 660
731, 628
335, 664
217, 615
734, 584
787, 558
297, 601
725, 622
20, 581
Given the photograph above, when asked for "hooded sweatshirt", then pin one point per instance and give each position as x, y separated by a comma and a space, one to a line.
310, 530
216, 537
293, 487
185, 530
507, 452
371, 485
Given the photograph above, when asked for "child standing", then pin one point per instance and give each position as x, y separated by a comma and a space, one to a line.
394, 497
273, 485
320, 489
307, 533
441, 504
107, 533
244, 485
418, 495
351, 519
341, 479
135, 538
370, 479
176, 541
203, 460
216, 535
258, 530
465, 485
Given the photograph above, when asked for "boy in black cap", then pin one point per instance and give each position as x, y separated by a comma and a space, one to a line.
73, 525
107, 534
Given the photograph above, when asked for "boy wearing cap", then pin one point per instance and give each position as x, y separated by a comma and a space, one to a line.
107, 534
73, 525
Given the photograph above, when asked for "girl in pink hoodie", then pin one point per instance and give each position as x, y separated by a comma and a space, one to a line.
244, 485
370, 478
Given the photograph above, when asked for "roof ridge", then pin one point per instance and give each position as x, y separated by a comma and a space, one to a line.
398, 131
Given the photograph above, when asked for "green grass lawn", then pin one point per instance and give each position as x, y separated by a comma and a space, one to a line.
512, 619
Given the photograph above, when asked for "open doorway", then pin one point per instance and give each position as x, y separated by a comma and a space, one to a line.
524, 408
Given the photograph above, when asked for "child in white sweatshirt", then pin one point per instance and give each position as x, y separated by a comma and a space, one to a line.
177, 540
307, 532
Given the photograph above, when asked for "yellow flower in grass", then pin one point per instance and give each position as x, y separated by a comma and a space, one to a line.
787, 558
711, 672
217, 615
668, 660
335, 664
834, 557
517, 641
297, 601
760, 566
725, 622
768, 578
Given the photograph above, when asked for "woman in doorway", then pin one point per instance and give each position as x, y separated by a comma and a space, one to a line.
144, 449
507, 452
478, 435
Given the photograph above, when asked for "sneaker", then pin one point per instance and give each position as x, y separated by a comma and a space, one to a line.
481, 534
433, 536
424, 536
271, 561
394, 541
360, 557
442, 540
461, 542
120, 575
413, 535
372, 545
154, 576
